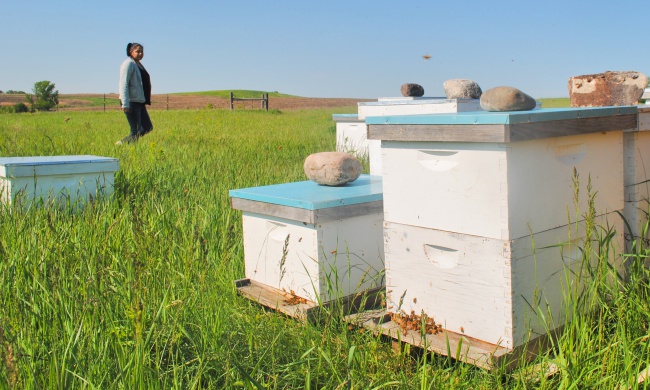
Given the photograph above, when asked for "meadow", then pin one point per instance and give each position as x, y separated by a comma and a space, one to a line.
136, 291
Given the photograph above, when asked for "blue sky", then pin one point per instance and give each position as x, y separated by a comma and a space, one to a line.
356, 49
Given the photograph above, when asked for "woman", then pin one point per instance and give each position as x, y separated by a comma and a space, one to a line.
135, 93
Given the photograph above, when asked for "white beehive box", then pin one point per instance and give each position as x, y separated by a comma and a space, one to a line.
488, 289
319, 242
500, 175
351, 135
637, 177
374, 157
415, 106
60, 178
407, 106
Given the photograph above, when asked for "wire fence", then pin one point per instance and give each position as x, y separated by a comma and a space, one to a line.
111, 102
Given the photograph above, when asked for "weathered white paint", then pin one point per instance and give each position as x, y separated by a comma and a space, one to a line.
636, 215
60, 178
485, 288
500, 190
374, 149
347, 252
637, 179
644, 118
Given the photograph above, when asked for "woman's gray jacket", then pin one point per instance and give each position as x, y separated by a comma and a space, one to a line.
131, 89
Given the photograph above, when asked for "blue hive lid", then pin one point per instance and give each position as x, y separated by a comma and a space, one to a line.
311, 196
501, 118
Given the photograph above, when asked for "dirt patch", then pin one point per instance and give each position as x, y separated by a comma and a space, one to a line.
11, 99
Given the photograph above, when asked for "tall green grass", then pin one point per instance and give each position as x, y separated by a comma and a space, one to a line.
555, 102
94, 101
137, 292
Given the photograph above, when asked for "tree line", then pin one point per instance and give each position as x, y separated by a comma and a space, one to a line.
44, 97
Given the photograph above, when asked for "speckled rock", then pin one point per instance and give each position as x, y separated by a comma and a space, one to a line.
415, 90
506, 99
607, 89
332, 168
462, 89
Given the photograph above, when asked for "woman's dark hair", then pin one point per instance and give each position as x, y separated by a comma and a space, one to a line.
131, 46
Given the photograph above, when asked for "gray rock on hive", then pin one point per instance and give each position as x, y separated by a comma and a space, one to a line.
462, 89
415, 90
506, 99
332, 168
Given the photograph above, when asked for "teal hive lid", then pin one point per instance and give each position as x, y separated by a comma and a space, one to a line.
502, 118
311, 196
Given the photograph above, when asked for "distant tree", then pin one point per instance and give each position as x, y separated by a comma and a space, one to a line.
20, 107
12, 92
45, 97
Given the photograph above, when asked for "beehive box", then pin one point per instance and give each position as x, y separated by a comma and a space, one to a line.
351, 138
501, 175
407, 106
56, 178
415, 106
637, 177
498, 291
351, 135
317, 242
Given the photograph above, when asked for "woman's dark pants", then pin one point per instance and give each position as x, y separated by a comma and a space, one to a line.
139, 121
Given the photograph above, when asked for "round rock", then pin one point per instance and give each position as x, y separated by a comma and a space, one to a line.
506, 99
332, 168
462, 89
415, 90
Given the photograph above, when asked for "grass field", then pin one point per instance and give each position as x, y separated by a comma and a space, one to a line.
555, 102
136, 291
560, 102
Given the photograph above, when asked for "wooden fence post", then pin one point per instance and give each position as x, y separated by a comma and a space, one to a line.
264, 101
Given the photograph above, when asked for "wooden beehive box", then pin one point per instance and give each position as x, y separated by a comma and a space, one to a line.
317, 242
351, 129
351, 135
637, 177
56, 178
476, 204
415, 106
498, 175
488, 289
